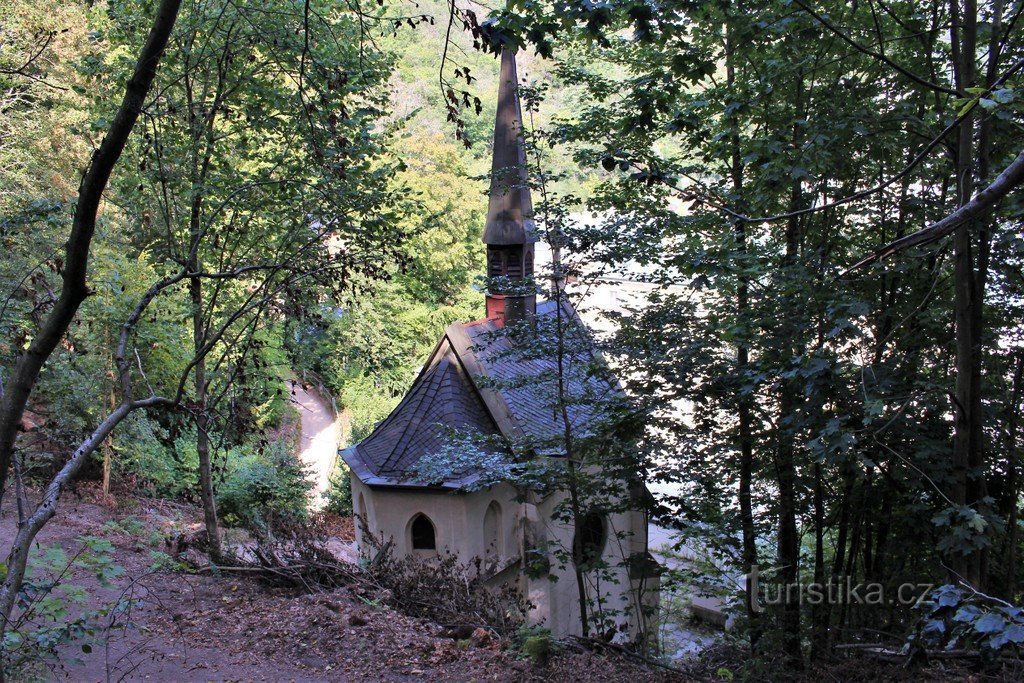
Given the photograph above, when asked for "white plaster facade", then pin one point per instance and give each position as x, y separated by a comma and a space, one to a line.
492, 525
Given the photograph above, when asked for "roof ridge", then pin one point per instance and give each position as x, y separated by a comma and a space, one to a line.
497, 406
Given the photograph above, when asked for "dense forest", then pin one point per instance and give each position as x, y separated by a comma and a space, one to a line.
204, 204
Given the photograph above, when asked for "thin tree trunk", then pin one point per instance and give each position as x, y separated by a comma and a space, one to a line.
967, 437
570, 459
76, 254
819, 611
1012, 465
108, 444
206, 490
789, 541
203, 130
746, 442
851, 558
840, 547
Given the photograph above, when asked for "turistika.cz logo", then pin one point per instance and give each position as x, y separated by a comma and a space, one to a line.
844, 591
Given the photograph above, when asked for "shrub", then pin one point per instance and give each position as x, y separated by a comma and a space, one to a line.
445, 590
339, 491
536, 643
166, 471
261, 484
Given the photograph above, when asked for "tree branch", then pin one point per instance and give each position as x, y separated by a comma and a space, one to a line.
94, 182
1011, 177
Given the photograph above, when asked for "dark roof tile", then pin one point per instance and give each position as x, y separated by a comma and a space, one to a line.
445, 398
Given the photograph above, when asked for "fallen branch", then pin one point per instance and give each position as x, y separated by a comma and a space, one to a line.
595, 645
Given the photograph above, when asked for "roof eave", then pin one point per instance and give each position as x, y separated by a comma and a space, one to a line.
361, 471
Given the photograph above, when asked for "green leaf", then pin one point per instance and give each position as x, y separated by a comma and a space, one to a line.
990, 623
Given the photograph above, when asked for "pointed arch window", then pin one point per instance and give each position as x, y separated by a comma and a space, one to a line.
589, 541
514, 264
423, 535
495, 263
493, 541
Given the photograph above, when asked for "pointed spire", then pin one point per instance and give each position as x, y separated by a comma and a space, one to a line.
510, 210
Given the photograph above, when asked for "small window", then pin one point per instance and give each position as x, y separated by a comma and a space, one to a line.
588, 544
423, 537
515, 264
495, 267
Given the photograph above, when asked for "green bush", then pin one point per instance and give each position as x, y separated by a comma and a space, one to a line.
339, 491
535, 643
162, 470
259, 485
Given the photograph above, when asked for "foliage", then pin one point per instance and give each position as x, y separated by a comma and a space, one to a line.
484, 462
801, 415
804, 416
958, 618
369, 351
413, 583
264, 483
42, 117
339, 491
51, 610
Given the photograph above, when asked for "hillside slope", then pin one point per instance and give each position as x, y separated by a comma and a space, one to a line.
204, 627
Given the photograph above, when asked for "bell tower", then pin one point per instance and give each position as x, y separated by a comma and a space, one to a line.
510, 232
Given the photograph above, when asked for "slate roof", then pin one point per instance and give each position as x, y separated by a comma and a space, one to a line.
452, 392
528, 382
443, 398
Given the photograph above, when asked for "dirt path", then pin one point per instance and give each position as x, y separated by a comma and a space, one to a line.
321, 433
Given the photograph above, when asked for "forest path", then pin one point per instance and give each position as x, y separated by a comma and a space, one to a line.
321, 434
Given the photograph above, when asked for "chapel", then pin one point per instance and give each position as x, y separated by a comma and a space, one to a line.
475, 383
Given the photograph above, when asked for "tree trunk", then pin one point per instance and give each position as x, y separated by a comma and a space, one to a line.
1012, 466
820, 610
840, 547
967, 433
789, 542
206, 491
203, 131
785, 462
83, 225
108, 444
746, 442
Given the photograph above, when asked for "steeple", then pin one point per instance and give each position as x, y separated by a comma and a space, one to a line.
509, 233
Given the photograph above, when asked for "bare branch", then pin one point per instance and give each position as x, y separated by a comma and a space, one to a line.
1011, 177
874, 54
94, 183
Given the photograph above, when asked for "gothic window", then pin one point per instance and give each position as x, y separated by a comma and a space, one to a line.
514, 264
508, 262
493, 546
588, 545
423, 536
495, 267
529, 263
